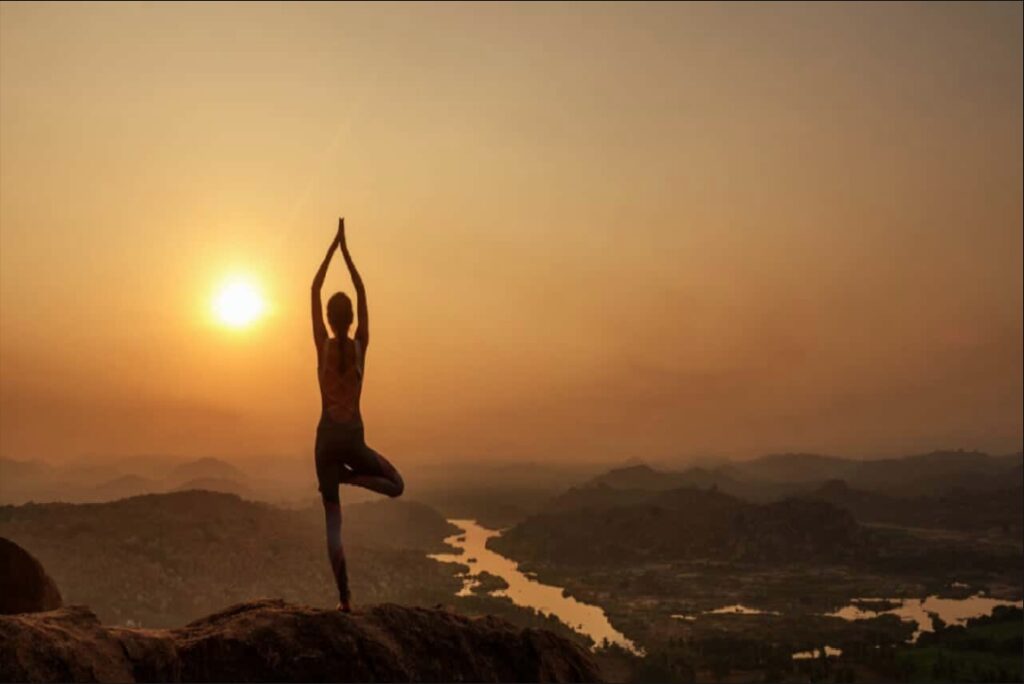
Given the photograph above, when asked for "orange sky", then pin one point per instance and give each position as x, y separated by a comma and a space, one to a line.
587, 231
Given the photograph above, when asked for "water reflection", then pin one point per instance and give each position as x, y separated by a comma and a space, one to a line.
740, 609
736, 609
471, 542
952, 611
830, 652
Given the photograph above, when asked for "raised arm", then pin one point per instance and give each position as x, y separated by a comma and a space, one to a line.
319, 329
362, 315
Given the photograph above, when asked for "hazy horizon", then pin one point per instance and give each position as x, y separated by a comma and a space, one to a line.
139, 463
588, 232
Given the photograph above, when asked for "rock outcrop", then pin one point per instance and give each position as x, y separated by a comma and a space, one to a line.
273, 641
24, 585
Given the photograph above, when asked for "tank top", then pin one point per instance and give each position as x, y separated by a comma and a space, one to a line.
339, 391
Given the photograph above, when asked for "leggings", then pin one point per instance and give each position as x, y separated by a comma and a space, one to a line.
342, 457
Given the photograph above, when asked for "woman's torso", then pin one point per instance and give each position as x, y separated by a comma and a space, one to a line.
341, 379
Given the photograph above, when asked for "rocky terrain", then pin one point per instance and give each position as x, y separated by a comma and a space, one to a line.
274, 641
270, 640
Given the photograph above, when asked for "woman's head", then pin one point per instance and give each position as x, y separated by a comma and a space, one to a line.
339, 313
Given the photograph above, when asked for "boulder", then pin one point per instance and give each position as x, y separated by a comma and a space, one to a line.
24, 585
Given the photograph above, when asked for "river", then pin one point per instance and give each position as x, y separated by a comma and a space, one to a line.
523, 590
589, 620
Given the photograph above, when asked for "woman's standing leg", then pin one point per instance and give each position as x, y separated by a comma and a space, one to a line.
328, 471
335, 551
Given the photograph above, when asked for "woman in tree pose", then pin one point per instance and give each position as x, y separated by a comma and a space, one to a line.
341, 452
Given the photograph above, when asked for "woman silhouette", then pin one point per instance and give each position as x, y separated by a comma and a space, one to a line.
341, 452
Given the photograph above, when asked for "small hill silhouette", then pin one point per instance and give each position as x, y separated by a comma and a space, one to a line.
205, 468
216, 484
123, 487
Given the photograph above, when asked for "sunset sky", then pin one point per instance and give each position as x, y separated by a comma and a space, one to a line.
587, 231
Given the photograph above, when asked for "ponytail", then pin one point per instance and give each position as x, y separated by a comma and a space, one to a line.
339, 315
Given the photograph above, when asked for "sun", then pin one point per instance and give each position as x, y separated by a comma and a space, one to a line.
238, 303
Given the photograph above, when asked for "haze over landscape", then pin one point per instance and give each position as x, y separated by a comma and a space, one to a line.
698, 344
660, 231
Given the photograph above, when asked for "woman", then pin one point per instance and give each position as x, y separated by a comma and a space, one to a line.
341, 453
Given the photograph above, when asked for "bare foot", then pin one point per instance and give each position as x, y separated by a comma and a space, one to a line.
345, 606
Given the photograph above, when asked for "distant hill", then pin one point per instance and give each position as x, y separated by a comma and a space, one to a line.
920, 474
619, 486
640, 476
935, 472
597, 497
793, 468
997, 511
956, 490
645, 477
22, 481
123, 487
634, 484
11, 468
216, 484
687, 524
165, 559
84, 482
205, 468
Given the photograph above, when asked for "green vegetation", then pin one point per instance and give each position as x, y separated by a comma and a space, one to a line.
987, 649
659, 550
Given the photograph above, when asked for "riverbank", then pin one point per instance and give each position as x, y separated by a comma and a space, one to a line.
472, 552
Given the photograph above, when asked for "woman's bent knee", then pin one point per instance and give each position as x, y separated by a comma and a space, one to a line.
399, 485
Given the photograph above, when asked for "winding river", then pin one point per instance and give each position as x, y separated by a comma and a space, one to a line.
523, 590
470, 544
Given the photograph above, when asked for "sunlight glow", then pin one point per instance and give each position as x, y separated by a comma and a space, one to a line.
238, 304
